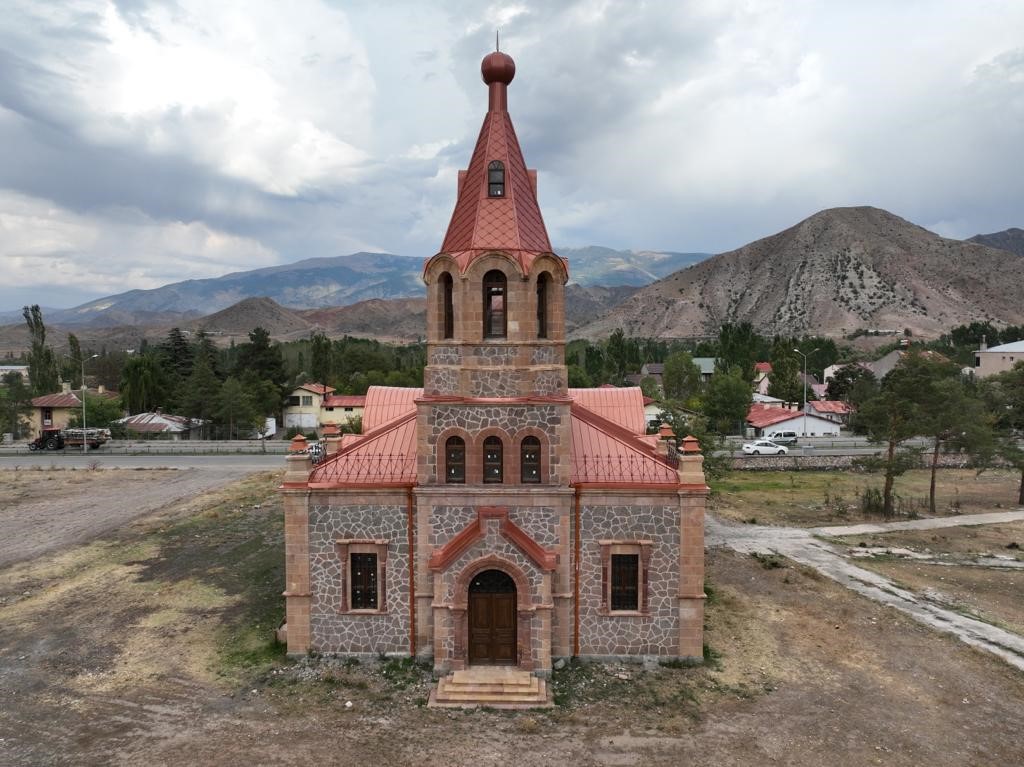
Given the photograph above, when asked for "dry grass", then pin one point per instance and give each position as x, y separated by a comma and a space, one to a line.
813, 498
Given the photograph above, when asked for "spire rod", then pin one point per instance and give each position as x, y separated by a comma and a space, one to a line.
497, 40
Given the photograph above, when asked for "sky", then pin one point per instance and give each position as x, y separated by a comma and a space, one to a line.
145, 143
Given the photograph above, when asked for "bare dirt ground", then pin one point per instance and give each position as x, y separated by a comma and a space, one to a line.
48, 509
977, 570
151, 646
816, 498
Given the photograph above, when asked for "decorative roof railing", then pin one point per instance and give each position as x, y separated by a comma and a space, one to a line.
624, 468
367, 469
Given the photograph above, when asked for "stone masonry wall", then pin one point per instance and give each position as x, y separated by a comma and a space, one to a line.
654, 634
332, 631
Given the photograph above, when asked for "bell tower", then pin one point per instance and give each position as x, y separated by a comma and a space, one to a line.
495, 323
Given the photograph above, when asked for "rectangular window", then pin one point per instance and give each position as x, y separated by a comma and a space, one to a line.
307, 400
293, 402
364, 582
625, 582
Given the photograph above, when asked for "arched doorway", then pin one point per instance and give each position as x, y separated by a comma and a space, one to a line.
492, 618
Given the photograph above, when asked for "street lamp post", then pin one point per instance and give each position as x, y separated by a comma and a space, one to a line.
85, 441
805, 387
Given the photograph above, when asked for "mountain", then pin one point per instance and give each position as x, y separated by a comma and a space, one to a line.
338, 281
405, 319
839, 270
240, 318
1011, 240
594, 265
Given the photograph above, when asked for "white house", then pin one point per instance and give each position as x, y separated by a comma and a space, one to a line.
766, 419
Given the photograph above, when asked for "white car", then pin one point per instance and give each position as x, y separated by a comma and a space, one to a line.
764, 447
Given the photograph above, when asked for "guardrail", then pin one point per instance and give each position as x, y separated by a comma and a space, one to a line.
162, 447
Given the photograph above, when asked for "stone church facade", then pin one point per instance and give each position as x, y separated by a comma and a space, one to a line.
496, 516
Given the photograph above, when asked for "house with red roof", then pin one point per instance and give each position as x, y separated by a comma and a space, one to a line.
766, 420
54, 411
497, 517
303, 405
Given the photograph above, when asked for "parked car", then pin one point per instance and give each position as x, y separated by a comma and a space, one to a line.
764, 447
782, 437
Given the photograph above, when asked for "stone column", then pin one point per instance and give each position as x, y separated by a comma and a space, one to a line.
296, 548
692, 498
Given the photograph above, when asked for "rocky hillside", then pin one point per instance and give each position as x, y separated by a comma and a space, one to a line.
263, 312
1010, 240
839, 270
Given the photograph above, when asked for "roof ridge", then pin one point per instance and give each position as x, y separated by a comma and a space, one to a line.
373, 434
612, 429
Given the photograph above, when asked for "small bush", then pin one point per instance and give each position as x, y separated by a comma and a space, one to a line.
872, 502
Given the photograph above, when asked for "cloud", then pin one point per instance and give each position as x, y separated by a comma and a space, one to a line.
318, 128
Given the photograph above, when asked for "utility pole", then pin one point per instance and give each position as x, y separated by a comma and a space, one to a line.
805, 387
85, 440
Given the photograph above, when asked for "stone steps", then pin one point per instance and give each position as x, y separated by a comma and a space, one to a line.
490, 686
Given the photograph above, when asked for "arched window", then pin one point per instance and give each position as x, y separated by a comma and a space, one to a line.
542, 304
494, 304
447, 306
455, 461
529, 460
495, 179
493, 471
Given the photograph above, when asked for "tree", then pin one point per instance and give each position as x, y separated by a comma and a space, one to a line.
649, 387
785, 382
578, 378
99, 412
42, 364
73, 365
320, 363
1004, 396
235, 408
901, 410
953, 418
738, 347
727, 401
681, 377
142, 384
262, 358
852, 384
15, 405
717, 459
200, 392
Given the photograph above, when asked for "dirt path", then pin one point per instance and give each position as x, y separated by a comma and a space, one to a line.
43, 511
936, 523
801, 546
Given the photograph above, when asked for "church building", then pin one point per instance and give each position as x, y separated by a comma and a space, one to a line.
496, 517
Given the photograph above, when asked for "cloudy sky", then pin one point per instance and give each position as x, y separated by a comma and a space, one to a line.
149, 142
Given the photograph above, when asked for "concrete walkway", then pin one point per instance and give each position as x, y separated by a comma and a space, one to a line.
802, 546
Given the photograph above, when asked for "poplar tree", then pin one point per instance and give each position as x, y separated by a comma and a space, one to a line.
42, 364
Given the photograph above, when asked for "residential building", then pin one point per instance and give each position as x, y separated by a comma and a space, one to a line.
342, 409
54, 411
997, 359
162, 425
765, 418
302, 407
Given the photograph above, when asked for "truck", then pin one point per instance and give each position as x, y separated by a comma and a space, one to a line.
58, 439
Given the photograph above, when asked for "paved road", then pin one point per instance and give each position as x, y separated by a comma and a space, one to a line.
231, 462
802, 546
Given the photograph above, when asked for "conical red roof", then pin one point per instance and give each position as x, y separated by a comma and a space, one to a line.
511, 223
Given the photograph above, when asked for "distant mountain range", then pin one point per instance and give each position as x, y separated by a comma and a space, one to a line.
338, 281
837, 271
1010, 240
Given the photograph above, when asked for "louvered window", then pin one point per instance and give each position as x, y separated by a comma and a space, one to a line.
493, 470
495, 179
455, 460
529, 461
625, 582
364, 582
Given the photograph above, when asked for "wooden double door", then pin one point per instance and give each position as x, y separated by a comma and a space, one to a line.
492, 619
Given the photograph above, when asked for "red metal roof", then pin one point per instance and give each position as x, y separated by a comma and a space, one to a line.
623, 406
316, 388
159, 422
830, 406
763, 367
760, 416
386, 403
385, 456
69, 399
511, 223
605, 452
345, 400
